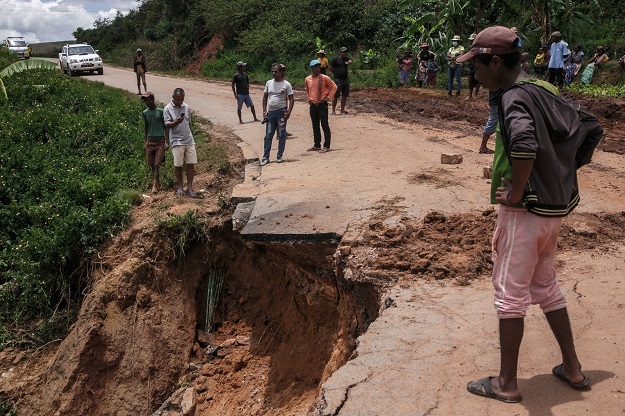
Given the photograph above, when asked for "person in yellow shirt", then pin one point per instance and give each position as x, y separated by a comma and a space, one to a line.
321, 57
319, 90
599, 57
541, 62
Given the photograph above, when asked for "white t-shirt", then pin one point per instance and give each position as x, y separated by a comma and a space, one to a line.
277, 94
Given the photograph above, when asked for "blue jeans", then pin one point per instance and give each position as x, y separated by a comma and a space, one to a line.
273, 118
451, 74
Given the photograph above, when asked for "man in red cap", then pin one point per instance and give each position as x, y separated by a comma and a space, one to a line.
535, 184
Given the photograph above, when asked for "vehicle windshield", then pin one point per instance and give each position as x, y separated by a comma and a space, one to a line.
15, 43
81, 50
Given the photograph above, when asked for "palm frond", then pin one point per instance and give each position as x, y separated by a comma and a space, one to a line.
26, 65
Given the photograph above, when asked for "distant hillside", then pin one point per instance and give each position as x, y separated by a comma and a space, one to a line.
49, 49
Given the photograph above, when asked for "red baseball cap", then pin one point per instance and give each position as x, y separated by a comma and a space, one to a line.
495, 40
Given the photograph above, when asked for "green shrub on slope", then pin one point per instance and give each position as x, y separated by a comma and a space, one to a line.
67, 147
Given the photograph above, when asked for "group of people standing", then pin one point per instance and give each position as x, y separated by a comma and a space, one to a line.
426, 67
170, 127
560, 65
278, 100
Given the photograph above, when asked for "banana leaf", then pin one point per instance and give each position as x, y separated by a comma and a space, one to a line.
25, 65
19, 67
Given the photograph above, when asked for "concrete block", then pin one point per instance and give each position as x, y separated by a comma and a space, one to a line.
488, 172
451, 158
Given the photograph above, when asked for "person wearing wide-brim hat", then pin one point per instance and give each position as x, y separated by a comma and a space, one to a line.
425, 54
321, 57
454, 69
406, 66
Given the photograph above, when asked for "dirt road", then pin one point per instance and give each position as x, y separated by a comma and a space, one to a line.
416, 358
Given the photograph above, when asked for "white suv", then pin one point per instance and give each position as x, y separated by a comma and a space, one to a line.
18, 45
80, 58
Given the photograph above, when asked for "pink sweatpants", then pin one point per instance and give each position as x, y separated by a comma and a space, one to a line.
524, 246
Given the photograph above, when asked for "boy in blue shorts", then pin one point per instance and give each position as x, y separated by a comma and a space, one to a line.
241, 90
535, 187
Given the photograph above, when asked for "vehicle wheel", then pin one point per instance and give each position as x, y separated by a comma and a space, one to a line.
62, 68
100, 71
71, 73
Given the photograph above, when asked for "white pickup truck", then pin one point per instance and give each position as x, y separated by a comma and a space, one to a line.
80, 58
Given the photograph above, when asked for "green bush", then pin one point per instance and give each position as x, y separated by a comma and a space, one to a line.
68, 147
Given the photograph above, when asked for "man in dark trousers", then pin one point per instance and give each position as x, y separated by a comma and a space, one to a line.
140, 69
535, 185
338, 67
319, 90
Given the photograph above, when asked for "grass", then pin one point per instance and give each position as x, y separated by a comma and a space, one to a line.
184, 230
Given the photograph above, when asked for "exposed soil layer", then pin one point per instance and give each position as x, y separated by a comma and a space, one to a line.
456, 249
434, 108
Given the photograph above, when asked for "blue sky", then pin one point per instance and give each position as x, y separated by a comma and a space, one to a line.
48, 21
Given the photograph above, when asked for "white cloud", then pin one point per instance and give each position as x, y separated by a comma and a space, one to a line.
48, 21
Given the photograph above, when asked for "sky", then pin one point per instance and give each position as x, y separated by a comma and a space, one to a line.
49, 21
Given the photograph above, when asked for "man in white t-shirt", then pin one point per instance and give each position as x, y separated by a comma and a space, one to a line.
277, 106
177, 120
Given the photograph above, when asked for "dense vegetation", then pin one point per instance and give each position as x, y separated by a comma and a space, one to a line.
260, 32
69, 149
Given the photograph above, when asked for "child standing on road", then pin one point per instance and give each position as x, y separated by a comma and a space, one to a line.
153, 137
538, 187
432, 70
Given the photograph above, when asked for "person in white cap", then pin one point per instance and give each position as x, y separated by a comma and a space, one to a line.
140, 70
454, 69
558, 53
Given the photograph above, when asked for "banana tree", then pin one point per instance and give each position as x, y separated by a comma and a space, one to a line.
549, 15
19, 67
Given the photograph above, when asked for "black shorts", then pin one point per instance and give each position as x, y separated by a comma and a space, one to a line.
342, 87
472, 81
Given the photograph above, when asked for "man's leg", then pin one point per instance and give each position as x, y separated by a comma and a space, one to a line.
139, 83
253, 113
552, 76
484, 145
336, 96
190, 174
323, 118
239, 114
510, 336
281, 142
560, 77
270, 129
343, 104
458, 74
561, 327
178, 172
314, 118
450, 80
